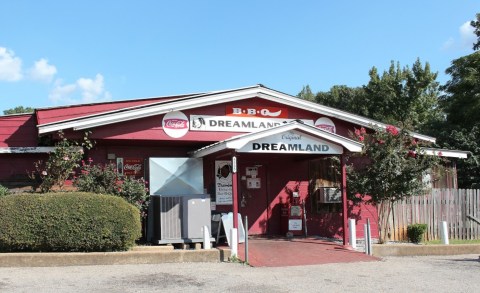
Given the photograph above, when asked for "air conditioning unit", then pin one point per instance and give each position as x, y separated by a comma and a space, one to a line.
330, 195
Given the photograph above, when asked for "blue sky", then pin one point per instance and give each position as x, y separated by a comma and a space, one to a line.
66, 52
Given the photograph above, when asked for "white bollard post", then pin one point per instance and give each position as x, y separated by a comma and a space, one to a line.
353, 233
234, 243
365, 232
444, 232
206, 238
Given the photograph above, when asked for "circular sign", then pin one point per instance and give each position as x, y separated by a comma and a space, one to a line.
175, 124
326, 124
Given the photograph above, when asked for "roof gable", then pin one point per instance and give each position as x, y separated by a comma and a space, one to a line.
207, 99
239, 143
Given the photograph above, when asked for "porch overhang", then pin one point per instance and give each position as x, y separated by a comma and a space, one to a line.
294, 138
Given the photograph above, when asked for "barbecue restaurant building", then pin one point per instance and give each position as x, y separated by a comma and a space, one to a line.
264, 154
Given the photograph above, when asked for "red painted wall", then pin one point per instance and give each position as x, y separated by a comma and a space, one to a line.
18, 131
286, 173
150, 128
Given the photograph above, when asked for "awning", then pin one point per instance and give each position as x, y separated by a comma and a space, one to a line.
290, 138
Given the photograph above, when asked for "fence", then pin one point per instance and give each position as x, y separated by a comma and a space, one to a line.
456, 206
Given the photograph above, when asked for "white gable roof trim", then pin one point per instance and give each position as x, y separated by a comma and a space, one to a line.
445, 153
237, 142
208, 99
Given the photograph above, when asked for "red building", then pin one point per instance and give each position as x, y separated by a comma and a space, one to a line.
277, 149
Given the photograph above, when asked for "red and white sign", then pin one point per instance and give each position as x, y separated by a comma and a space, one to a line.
175, 124
326, 124
252, 111
130, 167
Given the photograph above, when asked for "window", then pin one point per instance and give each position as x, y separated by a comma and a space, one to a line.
324, 185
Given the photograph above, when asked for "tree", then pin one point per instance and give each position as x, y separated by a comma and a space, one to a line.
399, 96
476, 25
306, 94
461, 104
345, 98
403, 96
61, 163
18, 110
461, 101
392, 168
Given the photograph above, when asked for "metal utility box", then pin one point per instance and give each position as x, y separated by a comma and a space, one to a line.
179, 219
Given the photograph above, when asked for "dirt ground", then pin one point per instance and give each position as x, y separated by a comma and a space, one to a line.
459, 273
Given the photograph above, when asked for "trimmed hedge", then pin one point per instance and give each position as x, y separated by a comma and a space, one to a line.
67, 222
415, 232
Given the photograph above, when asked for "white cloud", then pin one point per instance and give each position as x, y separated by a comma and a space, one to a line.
450, 43
84, 90
465, 41
10, 66
42, 71
467, 35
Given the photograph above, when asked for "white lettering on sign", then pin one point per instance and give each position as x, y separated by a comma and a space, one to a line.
254, 111
236, 124
134, 167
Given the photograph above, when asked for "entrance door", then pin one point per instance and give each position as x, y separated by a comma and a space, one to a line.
253, 197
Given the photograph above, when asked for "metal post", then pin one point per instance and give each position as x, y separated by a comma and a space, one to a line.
444, 233
365, 236
352, 233
344, 198
206, 238
246, 239
234, 244
235, 192
369, 235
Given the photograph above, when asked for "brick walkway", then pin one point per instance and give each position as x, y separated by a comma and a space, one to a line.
278, 252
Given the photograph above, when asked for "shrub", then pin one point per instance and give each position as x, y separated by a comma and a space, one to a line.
415, 232
97, 178
67, 222
104, 179
3, 190
60, 165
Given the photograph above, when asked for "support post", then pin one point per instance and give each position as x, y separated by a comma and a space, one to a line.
344, 199
246, 239
235, 191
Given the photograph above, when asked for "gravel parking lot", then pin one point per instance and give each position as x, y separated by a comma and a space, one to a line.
458, 273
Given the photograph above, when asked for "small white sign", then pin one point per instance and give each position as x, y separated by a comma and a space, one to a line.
295, 225
223, 182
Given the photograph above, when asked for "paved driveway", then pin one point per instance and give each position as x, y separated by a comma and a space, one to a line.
393, 274
274, 252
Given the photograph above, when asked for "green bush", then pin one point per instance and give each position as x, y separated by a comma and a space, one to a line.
4, 191
104, 179
415, 232
67, 222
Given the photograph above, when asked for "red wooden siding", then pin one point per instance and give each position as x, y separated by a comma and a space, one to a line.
18, 131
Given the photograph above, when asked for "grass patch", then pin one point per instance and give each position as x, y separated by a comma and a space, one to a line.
454, 241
